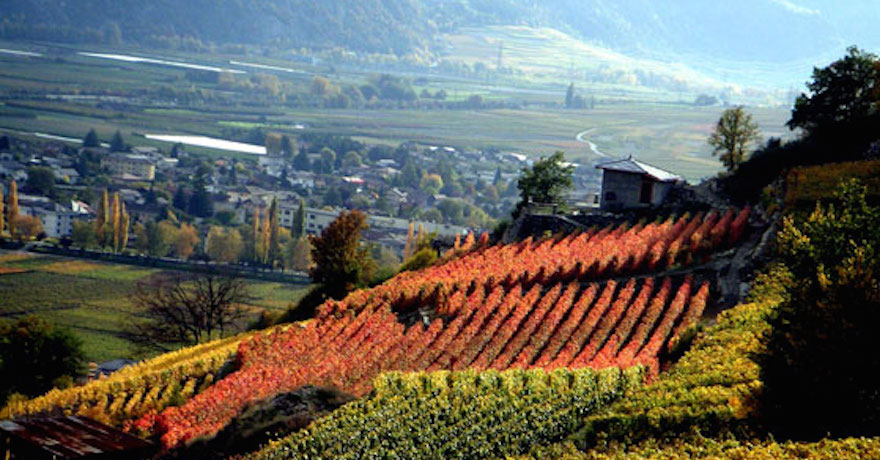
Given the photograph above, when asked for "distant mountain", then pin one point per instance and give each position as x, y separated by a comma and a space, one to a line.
745, 30
742, 30
396, 26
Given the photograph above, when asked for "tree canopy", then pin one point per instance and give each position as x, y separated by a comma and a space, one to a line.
34, 354
845, 92
341, 262
734, 133
820, 365
546, 181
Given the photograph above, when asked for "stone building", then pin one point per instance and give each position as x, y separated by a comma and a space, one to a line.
630, 183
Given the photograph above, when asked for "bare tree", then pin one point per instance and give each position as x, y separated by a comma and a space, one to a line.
187, 309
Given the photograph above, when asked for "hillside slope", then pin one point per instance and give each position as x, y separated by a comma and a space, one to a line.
370, 25
762, 30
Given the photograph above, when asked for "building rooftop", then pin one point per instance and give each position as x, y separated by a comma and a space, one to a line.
70, 437
631, 165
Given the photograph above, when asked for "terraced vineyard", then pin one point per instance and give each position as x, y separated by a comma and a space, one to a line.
479, 311
597, 299
483, 414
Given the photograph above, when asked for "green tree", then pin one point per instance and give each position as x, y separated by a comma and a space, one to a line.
847, 92
201, 204
180, 201
117, 143
328, 160
301, 161
351, 160
288, 147
102, 222
431, 183
569, 96
299, 221
733, 134
34, 354
546, 181
410, 176
91, 139
274, 233
820, 365
83, 235
40, 180
153, 238
341, 262
2, 212
224, 245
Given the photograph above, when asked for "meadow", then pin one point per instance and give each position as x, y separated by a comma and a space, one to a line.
92, 298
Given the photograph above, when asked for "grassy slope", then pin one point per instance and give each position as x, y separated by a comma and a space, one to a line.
91, 298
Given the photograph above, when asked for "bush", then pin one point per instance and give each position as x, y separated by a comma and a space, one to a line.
820, 364
34, 356
424, 258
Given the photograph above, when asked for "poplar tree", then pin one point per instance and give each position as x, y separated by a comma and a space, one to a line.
12, 208
265, 236
299, 220
255, 234
408, 246
2, 212
115, 222
103, 217
274, 236
126, 224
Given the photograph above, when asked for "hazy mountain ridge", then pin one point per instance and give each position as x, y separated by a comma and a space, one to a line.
748, 30
366, 25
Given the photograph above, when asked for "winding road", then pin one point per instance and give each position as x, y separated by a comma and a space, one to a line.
593, 147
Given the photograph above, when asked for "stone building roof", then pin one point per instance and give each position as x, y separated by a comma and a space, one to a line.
631, 165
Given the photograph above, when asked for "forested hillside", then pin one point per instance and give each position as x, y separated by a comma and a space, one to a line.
396, 26
762, 30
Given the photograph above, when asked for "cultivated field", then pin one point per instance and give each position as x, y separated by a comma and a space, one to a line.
92, 298
659, 127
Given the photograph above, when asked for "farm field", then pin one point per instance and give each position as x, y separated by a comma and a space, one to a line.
660, 128
91, 298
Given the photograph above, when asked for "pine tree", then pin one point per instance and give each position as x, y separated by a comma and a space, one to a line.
117, 143
91, 139
180, 200
287, 147
274, 236
12, 208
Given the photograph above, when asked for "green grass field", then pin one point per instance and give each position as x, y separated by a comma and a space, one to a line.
92, 298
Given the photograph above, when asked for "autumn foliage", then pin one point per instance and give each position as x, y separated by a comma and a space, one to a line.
481, 311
